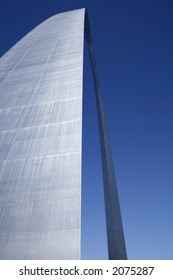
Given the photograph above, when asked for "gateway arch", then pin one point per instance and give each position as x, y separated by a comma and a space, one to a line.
41, 95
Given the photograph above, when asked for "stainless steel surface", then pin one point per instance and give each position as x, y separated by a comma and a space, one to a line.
40, 141
41, 81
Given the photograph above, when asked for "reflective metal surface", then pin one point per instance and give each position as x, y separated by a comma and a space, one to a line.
41, 80
40, 141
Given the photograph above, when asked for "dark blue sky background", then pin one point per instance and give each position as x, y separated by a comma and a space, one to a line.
133, 43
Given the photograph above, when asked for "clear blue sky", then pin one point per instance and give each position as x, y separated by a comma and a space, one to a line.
133, 43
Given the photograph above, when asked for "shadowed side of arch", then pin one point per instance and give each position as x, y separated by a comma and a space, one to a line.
115, 234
